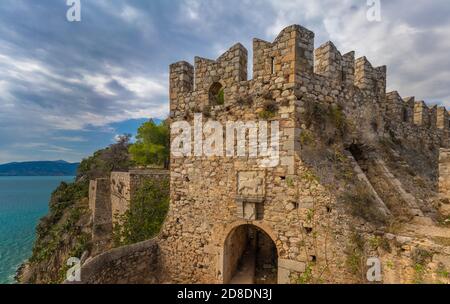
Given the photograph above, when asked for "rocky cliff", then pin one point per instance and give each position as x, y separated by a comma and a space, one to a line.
64, 233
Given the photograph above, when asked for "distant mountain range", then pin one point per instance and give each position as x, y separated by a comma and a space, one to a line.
39, 168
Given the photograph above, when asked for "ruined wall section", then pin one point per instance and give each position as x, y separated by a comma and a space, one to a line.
120, 193
111, 197
125, 184
100, 205
352, 86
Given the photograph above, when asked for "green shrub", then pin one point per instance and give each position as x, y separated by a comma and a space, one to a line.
419, 273
442, 271
306, 137
220, 97
270, 109
355, 254
337, 118
306, 277
421, 256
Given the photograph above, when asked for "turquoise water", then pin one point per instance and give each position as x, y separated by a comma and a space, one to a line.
23, 201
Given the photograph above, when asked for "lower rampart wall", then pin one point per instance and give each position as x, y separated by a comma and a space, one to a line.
133, 264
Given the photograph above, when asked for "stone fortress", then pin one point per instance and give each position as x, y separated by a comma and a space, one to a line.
362, 174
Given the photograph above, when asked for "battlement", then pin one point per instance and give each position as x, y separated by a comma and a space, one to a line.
290, 54
181, 79
329, 62
397, 109
422, 114
228, 70
369, 78
442, 118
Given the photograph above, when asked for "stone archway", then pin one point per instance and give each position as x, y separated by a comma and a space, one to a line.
249, 256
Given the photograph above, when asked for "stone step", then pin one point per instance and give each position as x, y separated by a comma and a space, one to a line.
426, 231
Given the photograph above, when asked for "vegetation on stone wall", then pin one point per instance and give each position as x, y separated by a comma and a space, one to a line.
152, 145
362, 204
220, 97
269, 110
327, 120
356, 258
148, 210
420, 258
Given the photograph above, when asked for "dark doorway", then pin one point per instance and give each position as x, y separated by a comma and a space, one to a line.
250, 256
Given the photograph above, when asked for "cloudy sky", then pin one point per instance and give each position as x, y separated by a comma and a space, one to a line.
67, 89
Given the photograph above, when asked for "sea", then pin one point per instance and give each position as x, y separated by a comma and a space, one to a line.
23, 201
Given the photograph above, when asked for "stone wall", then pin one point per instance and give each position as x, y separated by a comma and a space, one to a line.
134, 264
120, 193
100, 205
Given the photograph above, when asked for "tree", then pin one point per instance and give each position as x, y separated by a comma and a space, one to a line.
152, 144
113, 158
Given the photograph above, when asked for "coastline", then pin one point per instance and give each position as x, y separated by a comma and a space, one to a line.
29, 207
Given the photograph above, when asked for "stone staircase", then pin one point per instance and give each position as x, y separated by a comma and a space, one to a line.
421, 235
398, 188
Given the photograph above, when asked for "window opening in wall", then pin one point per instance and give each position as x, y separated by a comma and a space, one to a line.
216, 94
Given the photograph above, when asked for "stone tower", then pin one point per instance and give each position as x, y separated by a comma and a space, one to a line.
228, 210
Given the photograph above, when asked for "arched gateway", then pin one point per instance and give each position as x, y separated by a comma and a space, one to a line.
249, 256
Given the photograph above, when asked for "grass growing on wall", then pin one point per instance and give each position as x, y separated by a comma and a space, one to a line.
148, 210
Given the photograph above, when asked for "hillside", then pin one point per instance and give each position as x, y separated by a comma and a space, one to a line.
66, 230
39, 168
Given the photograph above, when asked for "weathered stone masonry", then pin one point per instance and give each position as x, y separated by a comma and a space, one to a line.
207, 201
222, 207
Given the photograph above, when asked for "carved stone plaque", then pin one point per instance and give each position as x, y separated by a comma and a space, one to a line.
251, 184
